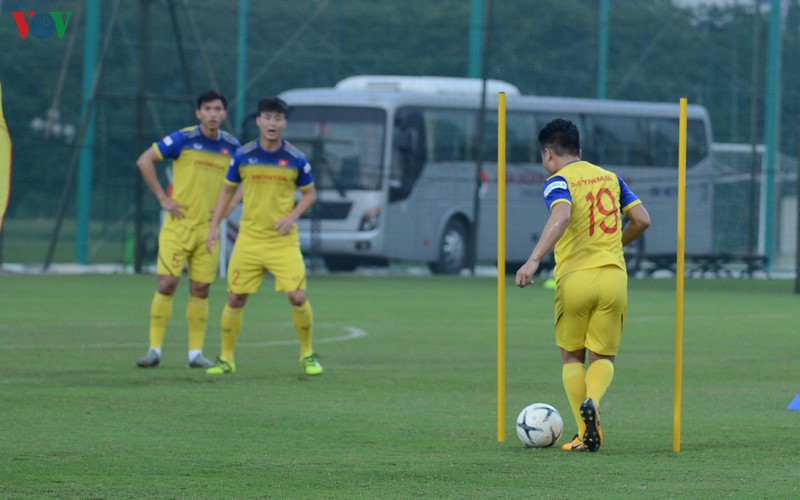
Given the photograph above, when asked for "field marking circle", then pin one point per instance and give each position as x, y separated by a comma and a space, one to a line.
352, 333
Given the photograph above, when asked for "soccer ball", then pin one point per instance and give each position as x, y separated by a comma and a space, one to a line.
539, 425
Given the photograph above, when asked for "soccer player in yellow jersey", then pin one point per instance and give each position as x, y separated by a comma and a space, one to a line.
200, 155
270, 171
586, 205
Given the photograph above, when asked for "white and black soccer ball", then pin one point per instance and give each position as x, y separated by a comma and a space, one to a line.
539, 425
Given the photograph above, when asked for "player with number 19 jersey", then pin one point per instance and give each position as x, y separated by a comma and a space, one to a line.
593, 237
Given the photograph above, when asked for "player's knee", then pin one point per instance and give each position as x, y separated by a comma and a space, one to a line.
200, 289
297, 298
236, 301
167, 285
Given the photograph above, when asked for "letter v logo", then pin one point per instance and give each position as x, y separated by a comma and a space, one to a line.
61, 24
22, 24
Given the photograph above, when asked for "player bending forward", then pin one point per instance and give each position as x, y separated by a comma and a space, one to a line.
585, 226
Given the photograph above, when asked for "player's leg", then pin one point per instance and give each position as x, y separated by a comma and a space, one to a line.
245, 273
197, 318
572, 305
573, 375
303, 318
160, 314
202, 272
172, 257
289, 269
231, 325
602, 339
604, 332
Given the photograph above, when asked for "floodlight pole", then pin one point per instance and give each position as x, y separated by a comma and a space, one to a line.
771, 125
602, 56
86, 160
752, 233
476, 206
475, 39
141, 97
797, 193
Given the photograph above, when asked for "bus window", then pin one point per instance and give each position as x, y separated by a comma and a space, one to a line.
664, 142
489, 146
450, 134
344, 144
408, 156
696, 142
619, 140
522, 143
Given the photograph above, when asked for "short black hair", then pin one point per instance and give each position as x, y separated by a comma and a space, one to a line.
561, 136
211, 95
273, 104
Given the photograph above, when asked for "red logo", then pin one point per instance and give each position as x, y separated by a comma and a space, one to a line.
283, 163
225, 151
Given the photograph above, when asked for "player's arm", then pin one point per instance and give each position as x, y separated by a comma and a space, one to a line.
553, 230
224, 199
638, 222
307, 199
638, 218
237, 198
147, 167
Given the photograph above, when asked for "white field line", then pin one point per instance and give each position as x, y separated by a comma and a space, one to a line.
351, 333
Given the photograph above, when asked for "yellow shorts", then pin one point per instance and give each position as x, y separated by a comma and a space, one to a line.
280, 256
179, 245
590, 307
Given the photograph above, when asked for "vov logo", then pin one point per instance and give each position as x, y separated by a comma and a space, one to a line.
41, 25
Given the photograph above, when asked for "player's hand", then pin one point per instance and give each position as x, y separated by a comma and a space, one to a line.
284, 226
174, 208
525, 274
212, 239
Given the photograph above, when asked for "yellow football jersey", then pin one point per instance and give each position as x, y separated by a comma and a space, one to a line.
598, 199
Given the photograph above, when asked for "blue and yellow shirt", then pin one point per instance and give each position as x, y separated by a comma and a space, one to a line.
270, 180
598, 198
198, 170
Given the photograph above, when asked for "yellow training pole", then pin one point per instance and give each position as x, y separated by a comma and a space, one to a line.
501, 267
5, 163
679, 275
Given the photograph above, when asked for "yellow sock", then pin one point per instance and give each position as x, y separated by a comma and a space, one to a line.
574, 377
231, 325
197, 317
160, 313
598, 379
303, 318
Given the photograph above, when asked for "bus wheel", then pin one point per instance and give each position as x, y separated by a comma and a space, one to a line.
453, 249
343, 263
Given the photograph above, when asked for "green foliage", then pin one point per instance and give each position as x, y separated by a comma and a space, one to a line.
658, 52
408, 411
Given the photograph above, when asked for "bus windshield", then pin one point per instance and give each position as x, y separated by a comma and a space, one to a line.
344, 145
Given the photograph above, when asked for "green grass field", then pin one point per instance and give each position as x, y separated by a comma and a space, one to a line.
407, 405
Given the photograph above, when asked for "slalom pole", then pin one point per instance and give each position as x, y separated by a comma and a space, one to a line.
679, 276
501, 267
5, 163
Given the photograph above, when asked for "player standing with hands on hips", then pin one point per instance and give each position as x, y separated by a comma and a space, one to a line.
270, 171
585, 227
200, 155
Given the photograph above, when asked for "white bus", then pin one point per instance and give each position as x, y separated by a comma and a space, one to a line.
395, 165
